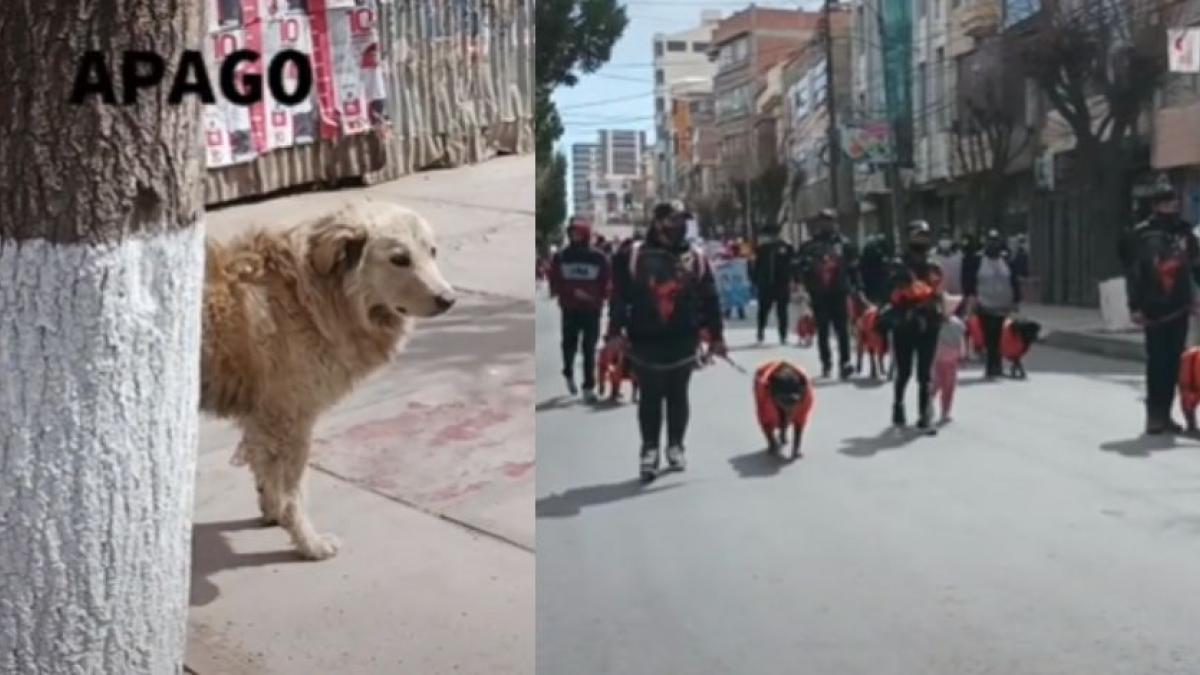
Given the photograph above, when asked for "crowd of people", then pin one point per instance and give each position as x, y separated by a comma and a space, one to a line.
663, 303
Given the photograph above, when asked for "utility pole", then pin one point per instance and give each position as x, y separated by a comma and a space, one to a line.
894, 166
835, 147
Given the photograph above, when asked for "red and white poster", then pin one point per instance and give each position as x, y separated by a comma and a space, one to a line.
286, 27
358, 78
341, 38
1183, 50
228, 130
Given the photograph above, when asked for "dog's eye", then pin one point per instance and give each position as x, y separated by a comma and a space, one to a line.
401, 260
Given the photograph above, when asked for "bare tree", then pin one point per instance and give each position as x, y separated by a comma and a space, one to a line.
1099, 65
101, 268
989, 135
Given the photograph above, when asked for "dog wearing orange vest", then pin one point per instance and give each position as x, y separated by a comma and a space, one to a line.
612, 369
1016, 338
783, 397
1189, 386
975, 343
870, 339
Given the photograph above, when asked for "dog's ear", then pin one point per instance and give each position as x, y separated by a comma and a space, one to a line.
334, 248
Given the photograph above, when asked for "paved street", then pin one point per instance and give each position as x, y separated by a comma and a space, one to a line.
1036, 535
425, 473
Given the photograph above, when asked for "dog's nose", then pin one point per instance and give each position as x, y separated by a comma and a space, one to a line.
444, 303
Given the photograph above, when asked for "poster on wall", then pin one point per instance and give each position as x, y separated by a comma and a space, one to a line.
358, 78
349, 89
228, 130
286, 26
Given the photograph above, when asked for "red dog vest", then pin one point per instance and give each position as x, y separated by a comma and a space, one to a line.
1189, 379
768, 411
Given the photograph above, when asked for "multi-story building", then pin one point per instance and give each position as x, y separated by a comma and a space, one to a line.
679, 59
804, 140
691, 130
620, 160
745, 46
585, 158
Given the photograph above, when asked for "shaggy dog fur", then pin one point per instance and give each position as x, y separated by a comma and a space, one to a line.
293, 319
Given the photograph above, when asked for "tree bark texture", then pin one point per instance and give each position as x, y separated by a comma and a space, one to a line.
101, 266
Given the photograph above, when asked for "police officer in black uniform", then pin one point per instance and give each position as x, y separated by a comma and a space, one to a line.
1161, 257
773, 275
828, 266
664, 293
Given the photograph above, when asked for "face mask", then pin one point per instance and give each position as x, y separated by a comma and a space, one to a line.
918, 246
944, 244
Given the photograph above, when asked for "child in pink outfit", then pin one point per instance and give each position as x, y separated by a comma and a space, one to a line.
945, 360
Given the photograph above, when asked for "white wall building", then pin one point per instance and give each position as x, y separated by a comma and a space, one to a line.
678, 57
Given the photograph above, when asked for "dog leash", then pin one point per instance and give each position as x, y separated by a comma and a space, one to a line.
734, 365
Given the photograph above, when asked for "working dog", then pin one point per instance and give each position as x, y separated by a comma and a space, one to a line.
975, 341
293, 319
612, 369
806, 329
1016, 338
783, 397
869, 338
1189, 386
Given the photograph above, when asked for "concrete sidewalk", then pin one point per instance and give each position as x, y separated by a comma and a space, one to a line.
425, 474
1081, 329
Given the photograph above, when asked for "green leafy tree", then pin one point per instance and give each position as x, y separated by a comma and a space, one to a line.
573, 36
551, 201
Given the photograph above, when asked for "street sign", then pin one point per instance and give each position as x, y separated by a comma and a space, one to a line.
1183, 50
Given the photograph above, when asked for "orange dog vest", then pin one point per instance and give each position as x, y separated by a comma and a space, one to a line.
1012, 347
768, 411
1189, 379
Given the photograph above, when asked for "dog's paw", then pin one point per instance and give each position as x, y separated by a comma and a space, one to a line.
323, 547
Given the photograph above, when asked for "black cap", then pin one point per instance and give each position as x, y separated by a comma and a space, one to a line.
1163, 193
918, 226
663, 211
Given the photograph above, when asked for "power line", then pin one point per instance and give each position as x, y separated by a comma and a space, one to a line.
606, 101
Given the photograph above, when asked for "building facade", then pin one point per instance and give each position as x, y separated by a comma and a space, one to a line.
680, 60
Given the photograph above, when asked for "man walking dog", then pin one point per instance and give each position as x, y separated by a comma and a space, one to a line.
579, 277
1162, 260
773, 274
829, 269
664, 294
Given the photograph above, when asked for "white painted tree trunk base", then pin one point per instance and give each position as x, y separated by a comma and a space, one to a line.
99, 389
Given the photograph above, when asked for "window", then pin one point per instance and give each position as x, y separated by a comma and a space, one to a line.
939, 89
676, 46
922, 99
658, 76
660, 105
700, 47
658, 48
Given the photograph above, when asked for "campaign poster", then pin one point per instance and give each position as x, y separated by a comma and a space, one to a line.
733, 282
358, 76
286, 26
228, 129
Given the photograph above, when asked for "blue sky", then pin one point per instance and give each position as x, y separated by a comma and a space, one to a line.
624, 87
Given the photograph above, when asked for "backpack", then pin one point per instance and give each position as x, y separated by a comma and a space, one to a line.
666, 304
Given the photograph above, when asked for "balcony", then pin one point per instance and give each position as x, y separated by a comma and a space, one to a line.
980, 19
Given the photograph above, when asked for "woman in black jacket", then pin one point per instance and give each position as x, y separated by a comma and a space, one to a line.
994, 290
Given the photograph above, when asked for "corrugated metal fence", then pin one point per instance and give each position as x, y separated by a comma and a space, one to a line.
460, 83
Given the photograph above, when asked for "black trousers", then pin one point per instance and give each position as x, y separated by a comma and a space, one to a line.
1164, 346
580, 326
993, 329
779, 297
831, 312
914, 345
663, 382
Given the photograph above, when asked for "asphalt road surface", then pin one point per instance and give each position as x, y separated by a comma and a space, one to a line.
1038, 534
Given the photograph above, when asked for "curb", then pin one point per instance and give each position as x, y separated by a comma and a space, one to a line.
1097, 345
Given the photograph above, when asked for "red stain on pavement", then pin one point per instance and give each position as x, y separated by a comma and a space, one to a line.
517, 469
473, 425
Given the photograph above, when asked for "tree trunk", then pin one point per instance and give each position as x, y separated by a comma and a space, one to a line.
101, 266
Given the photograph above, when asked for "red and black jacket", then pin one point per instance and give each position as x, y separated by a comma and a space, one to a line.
580, 276
1162, 260
664, 294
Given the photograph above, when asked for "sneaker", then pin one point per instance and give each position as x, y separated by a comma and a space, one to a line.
590, 398
825, 372
898, 418
945, 418
675, 458
925, 426
571, 385
649, 467
847, 371
1171, 427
